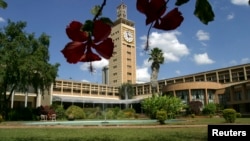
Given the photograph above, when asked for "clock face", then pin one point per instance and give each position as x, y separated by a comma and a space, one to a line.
128, 36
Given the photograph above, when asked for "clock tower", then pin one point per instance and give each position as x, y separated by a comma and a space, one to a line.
122, 65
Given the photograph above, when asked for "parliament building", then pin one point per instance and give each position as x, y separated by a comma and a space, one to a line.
228, 86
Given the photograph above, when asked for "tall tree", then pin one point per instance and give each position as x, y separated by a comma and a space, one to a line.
24, 63
157, 58
126, 91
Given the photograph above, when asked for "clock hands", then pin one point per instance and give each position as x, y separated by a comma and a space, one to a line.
128, 36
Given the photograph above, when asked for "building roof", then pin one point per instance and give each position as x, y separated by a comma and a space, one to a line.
80, 99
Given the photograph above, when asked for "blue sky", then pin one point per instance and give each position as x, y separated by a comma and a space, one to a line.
192, 48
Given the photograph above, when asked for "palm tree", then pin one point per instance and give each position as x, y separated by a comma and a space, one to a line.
126, 92
3, 4
157, 58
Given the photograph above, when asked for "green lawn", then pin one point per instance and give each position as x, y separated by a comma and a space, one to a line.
181, 132
104, 134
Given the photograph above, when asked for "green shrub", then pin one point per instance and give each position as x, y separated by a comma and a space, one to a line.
19, 114
60, 112
120, 115
209, 109
71, 117
192, 115
238, 115
129, 113
161, 116
1, 118
109, 114
75, 111
211, 115
229, 115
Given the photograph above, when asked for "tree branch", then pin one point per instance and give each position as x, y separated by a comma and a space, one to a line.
100, 10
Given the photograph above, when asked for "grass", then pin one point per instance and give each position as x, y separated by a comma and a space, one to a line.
104, 134
177, 132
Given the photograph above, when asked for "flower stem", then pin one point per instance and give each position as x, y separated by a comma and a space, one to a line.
100, 10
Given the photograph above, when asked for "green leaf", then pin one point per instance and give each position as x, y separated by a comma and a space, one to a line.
95, 10
180, 2
88, 26
204, 11
106, 20
3, 4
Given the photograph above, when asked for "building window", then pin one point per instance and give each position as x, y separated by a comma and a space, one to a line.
129, 73
183, 95
211, 94
237, 95
198, 95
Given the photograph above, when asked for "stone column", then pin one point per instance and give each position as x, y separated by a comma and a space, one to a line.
26, 99
206, 98
38, 98
189, 95
12, 99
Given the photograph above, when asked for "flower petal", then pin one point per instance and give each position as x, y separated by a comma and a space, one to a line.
141, 6
73, 51
105, 49
101, 31
74, 32
89, 56
153, 9
170, 21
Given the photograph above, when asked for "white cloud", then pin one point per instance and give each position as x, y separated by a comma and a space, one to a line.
202, 59
97, 65
242, 61
172, 50
178, 72
240, 2
2, 20
142, 75
84, 80
230, 16
245, 60
168, 42
202, 35
147, 63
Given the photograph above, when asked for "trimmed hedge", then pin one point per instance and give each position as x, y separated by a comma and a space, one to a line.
229, 115
75, 111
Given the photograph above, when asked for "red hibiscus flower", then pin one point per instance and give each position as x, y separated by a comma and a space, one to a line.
75, 33
84, 43
170, 21
154, 9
